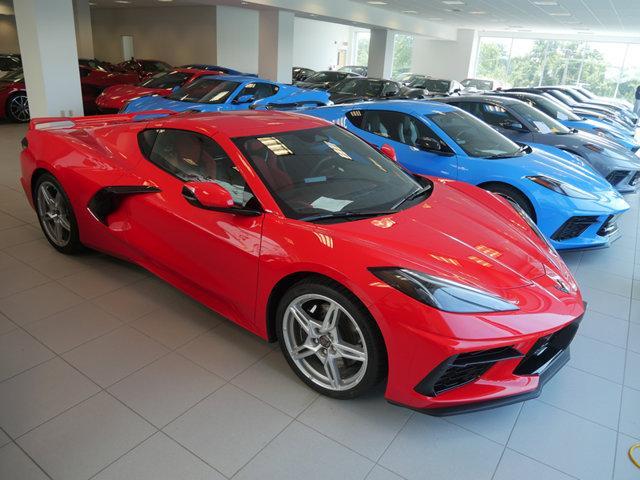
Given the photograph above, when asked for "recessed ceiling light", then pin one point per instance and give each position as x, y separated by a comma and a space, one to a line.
477, 12
376, 2
165, 1
434, 19
122, 1
410, 11
546, 3
453, 2
560, 14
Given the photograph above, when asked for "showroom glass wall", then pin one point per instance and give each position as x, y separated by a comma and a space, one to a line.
402, 51
610, 69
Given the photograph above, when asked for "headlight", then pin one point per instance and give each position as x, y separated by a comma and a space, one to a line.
442, 294
561, 187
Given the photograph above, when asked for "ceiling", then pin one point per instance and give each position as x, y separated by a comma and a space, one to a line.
602, 17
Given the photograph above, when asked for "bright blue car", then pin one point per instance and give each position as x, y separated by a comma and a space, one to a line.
569, 119
574, 206
228, 92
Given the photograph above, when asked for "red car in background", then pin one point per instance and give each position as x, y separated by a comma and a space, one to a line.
113, 98
144, 68
301, 232
13, 91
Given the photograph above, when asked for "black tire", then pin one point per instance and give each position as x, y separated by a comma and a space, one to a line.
15, 108
376, 368
513, 195
73, 245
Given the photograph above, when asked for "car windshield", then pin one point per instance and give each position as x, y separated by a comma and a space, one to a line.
431, 85
205, 90
359, 86
166, 80
575, 94
566, 99
541, 122
552, 108
13, 76
585, 92
475, 137
322, 77
326, 170
155, 66
477, 83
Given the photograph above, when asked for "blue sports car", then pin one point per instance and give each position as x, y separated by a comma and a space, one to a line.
574, 206
228, 92
565, 116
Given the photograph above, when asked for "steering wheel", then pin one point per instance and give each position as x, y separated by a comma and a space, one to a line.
318, 167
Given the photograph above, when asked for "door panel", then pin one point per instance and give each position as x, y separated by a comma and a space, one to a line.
212, 255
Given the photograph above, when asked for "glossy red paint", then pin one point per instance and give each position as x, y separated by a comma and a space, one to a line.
113, 98
233, 263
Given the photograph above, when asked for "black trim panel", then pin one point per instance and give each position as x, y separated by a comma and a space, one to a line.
107, 199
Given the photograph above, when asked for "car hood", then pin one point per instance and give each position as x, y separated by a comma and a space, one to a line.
155, 102
454, 234
119, 94
610, 149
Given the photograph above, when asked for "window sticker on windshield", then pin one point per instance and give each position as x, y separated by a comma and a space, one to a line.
562, 116
542, 127
330, 204
315, 179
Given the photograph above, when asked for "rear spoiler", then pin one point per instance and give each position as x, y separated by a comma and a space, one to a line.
63, 123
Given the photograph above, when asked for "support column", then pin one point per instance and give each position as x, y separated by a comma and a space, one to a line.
46, 33
276, 45
237, 38
84, 33
380, 53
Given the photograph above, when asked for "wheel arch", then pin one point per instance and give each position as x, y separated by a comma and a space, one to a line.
37, 173
486, 186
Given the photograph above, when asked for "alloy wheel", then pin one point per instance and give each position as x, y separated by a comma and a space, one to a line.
53, 211
19, 108
325, 342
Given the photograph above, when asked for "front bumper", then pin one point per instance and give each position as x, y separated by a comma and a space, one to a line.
424, 345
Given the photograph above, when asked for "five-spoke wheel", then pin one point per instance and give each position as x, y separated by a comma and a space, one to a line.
329, 339
56, 215
18, 108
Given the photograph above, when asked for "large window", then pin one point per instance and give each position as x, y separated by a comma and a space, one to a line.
608, 69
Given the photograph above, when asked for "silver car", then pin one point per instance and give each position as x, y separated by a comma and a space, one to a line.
525, 124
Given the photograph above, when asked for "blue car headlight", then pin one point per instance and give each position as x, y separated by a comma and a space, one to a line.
442, 294
561, 187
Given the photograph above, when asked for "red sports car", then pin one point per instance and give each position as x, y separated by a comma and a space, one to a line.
13, 91
113, 98
303, 233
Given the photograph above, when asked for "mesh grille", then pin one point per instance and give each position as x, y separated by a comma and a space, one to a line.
574, 227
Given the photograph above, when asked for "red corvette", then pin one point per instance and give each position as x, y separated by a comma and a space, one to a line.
13, 91
302, 233
113, 98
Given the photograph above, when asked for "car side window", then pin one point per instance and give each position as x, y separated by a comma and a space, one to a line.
259, 90
495, 115
396, 126
193, 157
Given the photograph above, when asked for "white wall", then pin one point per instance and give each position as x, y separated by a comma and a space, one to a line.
177, 35
316, 43
237, 31
446, 59
8, 35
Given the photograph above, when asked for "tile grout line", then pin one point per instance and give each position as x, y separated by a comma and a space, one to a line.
624, 368
513, 427
25, 453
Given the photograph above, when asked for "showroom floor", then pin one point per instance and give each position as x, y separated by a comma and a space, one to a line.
108, 373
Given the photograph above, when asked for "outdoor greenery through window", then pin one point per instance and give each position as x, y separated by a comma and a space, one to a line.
608, 69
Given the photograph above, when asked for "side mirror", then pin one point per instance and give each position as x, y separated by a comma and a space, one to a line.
211, 196
511, 125
207, 195
244, 99
389, 152
429, 144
